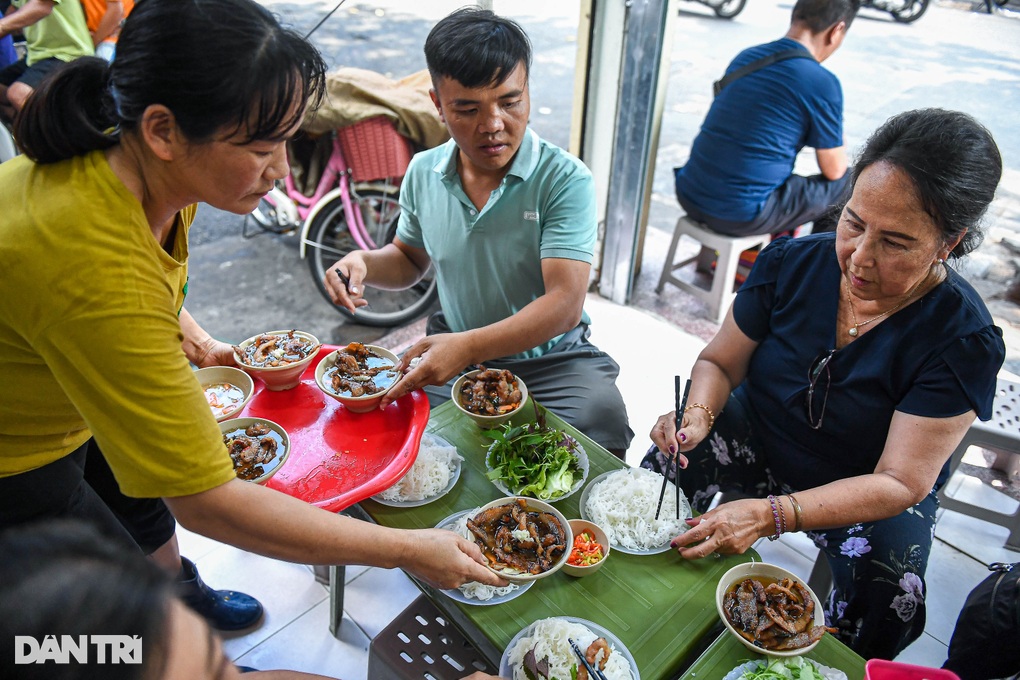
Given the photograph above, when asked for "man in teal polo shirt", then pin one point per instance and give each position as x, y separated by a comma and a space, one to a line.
55, 33
509, 223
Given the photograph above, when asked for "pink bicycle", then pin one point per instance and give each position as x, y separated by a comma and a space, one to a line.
355, 205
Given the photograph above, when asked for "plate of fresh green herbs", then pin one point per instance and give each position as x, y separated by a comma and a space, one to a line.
792, 668
535, 460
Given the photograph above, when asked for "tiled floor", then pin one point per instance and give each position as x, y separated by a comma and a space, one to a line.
295, 633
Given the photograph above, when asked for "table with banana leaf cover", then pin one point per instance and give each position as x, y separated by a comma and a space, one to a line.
660, 606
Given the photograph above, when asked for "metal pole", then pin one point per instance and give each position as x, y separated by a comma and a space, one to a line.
645, 34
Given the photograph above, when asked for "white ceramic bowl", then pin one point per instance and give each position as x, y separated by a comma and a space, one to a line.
534, 505
759, 570
362, 404
219, 375
283, 377
282, 439
577, 527
487, 422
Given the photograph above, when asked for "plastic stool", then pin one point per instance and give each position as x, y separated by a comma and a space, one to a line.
1002, 435
420, 644
720, 295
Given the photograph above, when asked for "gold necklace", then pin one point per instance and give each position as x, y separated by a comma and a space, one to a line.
852, 331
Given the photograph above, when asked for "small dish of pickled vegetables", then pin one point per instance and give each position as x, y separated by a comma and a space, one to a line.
589, 550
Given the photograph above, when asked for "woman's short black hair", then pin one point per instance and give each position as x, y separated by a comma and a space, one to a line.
62, 578
952, 161
218, 65
476, 48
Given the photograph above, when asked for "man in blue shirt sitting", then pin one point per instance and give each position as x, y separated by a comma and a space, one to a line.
509, 223
775, 99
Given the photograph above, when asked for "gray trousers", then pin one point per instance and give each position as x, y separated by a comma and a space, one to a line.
575, 380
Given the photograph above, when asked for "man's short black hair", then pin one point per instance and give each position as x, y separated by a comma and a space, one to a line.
819, 15
476, 48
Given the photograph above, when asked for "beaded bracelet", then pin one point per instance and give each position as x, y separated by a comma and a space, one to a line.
775, 516
711, 416
797, 513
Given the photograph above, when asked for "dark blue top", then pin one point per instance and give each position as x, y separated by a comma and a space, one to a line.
756, 127
937, 357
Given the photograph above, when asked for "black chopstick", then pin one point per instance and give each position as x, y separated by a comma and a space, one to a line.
343, 277
592, 671
662, 491
680, 406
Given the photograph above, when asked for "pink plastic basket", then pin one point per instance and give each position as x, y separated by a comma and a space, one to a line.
374, 149
878, 669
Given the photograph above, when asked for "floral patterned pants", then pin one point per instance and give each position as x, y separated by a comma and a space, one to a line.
877, 600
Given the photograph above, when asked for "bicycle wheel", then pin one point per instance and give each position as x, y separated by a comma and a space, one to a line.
729, 8
329, 239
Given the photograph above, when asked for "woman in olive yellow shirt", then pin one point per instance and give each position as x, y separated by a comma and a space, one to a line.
93, 249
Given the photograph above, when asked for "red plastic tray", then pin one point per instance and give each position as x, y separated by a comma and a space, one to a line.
337, 457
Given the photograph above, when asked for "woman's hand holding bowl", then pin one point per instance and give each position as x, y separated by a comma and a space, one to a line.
216, 353
428, 556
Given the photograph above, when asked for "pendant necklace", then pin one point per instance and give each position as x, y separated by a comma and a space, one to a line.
852, 331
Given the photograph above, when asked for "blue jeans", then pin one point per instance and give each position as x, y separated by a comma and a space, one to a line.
877, 599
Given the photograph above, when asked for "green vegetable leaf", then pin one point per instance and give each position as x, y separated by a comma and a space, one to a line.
533, 460
794, 668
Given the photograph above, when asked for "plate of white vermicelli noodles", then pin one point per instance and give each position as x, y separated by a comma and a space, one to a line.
623, 503
474, 592
435, 471
549, 639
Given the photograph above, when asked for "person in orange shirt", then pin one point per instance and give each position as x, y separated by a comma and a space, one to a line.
104, 18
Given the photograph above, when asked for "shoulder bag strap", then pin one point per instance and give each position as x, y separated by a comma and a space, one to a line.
748, 69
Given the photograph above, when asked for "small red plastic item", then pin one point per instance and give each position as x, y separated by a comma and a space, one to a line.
338, 457
879, 669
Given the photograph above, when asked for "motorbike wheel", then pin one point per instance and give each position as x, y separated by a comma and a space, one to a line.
912, 12
729, 8
329, 239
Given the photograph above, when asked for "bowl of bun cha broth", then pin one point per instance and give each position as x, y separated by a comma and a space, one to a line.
751, 592
227, 390
258, 447
277, 358
489, 396
358, 376
520, 555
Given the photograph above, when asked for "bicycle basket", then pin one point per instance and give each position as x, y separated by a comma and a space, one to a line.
374, 149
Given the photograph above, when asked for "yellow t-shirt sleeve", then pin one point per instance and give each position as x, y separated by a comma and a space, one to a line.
140, 399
